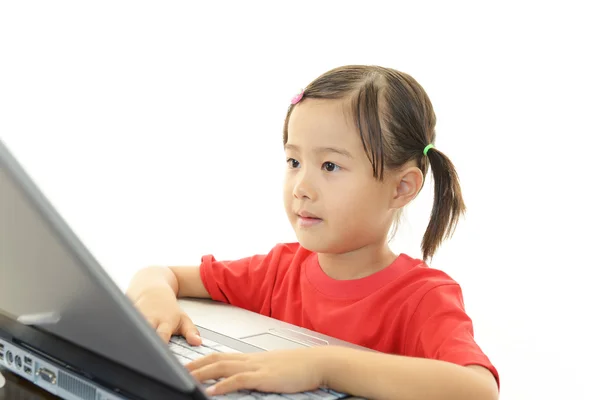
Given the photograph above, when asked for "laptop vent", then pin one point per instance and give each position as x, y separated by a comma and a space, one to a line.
76, 386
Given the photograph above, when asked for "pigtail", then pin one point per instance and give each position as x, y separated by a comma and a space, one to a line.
448, 205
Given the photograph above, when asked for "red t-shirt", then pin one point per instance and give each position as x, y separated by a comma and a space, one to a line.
407, 308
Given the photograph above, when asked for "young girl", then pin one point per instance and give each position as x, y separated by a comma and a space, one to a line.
358, 143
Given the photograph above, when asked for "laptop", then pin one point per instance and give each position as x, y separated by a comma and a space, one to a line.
66, 327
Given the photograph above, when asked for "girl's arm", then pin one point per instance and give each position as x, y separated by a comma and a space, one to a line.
375, 376
183, 281
382, 376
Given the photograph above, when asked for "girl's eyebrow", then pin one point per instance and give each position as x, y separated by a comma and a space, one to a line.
326, 149
334, 150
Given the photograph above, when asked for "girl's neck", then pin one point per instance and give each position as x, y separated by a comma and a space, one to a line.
358, 263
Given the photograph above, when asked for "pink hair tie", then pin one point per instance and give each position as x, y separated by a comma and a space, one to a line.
296, 99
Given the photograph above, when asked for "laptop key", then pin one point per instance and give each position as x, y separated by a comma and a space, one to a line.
225, 349
337, 395
179, 340
268, 396
322, 395
206, 350
182, 360
192, 353
179, 350
298, 396
209, 343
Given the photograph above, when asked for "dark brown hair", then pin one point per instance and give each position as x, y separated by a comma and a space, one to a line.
396, 121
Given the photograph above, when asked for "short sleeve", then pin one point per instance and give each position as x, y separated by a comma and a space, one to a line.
441, 329
248, 282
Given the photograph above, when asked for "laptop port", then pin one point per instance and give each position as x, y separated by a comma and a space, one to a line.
1, 356
27, 370
27, 360
47, 375
9, 357
1, 346
18, 362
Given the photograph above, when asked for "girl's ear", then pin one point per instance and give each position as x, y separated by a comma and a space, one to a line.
407, 184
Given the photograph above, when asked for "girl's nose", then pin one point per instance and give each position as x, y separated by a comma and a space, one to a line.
303, 189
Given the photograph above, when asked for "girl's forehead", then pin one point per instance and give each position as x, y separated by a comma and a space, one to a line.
318, 120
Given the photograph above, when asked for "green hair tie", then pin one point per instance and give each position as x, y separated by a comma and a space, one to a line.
429, 146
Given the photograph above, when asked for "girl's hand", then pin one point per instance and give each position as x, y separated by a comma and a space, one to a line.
289, 371
160, 308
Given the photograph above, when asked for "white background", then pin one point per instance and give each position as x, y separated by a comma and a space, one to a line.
155, 130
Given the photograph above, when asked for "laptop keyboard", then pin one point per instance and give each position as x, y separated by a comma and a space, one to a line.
186, 353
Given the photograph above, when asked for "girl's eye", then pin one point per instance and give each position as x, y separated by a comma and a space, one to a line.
330, 167
293, 163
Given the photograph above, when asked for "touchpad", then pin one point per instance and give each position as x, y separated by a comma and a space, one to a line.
267, 341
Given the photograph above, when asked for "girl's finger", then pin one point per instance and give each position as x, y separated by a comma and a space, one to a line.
214, 358
165, 331
245, 380
154, 322
221, 369
189, 330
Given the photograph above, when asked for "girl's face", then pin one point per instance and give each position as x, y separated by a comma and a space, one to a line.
332, 199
